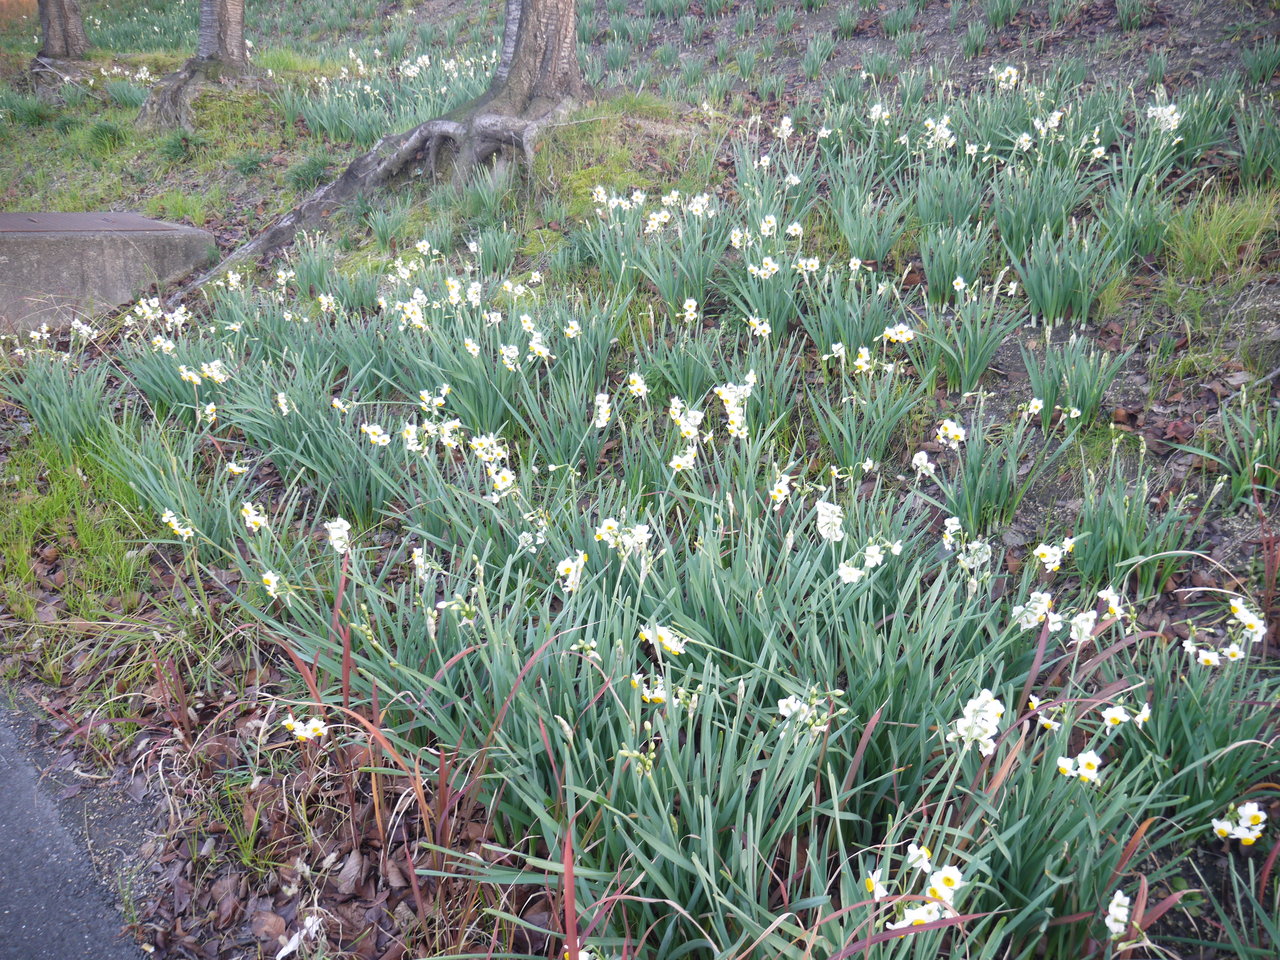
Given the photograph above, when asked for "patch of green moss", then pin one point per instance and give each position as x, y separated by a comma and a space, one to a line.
540, 242
239, 113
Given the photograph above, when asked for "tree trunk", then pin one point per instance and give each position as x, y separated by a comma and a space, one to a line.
222, 33
539, 66
537, 82
62, 30
221, 55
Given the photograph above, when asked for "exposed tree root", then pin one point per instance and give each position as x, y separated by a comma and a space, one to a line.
457, 143
168, 105
48, 74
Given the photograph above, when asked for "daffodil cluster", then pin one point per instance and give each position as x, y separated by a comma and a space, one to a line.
1244, 823
941, 884
311, 729
872, 555
1086, 766
628, 541
978, 724
812, 714
180, 528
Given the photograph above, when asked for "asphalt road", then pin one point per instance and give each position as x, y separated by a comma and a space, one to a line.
52, 906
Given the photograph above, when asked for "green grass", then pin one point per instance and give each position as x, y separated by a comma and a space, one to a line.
92, 157
1223, 234
179, 204
54, 517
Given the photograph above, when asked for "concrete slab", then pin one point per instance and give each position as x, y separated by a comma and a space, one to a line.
58, 266
52, 906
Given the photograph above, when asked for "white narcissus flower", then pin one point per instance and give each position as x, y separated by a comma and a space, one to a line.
1007, 78
503, 481
922, 465
1251, 814
979, 723
1082, 625
830, 521
1087, 766
1252, 625
850, 572
792, 708
919, 857
951, 434
944, 883
312, 729
609, 532
183, 530
1050, 556
1246, 835
214, 371
686, 460
1112, 600
1037, 609
316, 728
570, 570
377, 436
781, 489
1117, 920
273, 584
602, 411
1115, 715
254, 518
1208, 658
665, 638
339, 531
916, 916
873, 885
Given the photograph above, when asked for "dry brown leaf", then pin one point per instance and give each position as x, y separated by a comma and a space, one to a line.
351, 873
394, 875
268, 926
